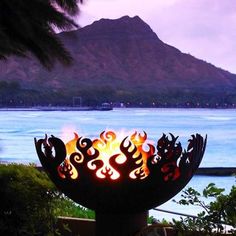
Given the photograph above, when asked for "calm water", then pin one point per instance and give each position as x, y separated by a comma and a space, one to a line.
18, 130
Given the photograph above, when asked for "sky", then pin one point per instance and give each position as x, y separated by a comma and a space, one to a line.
205, 29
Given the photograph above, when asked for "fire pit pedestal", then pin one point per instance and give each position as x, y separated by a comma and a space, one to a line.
120, 224
120, 180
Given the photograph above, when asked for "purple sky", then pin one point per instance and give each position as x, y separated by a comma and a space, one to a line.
204, 28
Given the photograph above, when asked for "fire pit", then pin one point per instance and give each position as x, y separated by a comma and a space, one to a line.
120, 177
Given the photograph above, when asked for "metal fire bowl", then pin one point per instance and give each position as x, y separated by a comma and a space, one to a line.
170, 169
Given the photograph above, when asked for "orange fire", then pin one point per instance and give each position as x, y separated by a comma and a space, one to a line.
71, 145
109, 147
139, 142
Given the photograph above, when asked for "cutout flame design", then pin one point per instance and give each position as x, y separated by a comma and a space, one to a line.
113, 151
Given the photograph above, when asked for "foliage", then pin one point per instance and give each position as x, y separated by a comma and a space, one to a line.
152, 220
13, 94
66, 207
11, 86
210, 221
30, 203
27, 201
30, 26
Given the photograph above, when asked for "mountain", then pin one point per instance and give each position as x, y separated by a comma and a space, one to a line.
120, 60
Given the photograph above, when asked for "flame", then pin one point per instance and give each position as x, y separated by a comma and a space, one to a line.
71, 145
67, 168
139, 141
108, 147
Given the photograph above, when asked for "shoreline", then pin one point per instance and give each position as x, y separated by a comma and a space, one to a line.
101, 108
48, 108
216, 171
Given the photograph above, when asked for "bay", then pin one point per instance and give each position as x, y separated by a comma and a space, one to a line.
18, 129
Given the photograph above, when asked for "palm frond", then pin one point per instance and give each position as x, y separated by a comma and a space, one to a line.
69, 6
29, 26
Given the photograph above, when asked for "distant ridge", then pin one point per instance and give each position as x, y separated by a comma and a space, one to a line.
120, 60
216, 171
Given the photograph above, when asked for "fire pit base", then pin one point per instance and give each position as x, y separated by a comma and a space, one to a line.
120, 224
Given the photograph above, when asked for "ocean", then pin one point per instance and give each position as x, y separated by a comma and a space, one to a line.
18, 129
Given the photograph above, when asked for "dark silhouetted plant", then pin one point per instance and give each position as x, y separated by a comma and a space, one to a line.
31, 25
30, 203
220, 210
27, 201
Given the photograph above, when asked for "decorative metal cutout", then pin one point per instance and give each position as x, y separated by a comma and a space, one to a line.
111, 174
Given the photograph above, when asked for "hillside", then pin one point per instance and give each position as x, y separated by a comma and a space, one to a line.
119, 60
